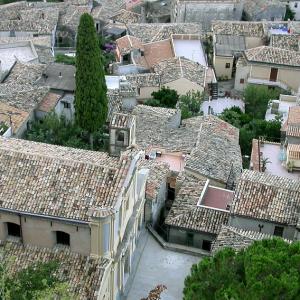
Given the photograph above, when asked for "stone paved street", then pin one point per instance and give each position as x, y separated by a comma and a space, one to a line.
160, 266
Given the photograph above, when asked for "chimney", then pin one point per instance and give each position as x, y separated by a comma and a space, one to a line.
60, 76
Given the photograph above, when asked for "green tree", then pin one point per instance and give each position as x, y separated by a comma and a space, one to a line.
38, 281
90, 96
65, 59
267, 270
190, 104
289, 14
257, 99
166, 97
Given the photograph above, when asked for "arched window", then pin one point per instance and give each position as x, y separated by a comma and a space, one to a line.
62, 238
13, 229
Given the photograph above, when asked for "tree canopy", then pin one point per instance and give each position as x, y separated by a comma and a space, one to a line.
38, 281
190, 104
165, 97
268, 269
90, 95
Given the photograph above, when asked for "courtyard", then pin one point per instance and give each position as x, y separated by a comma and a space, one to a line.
160, 266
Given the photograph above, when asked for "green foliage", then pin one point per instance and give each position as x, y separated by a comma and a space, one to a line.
68, 60
90, 96
289, 14
57, 131
257, 99
166, 97
267, 270
251, 128
190, 104
38, 281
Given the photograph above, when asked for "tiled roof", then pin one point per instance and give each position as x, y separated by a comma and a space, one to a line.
157, 119
158, 172
144, 80
42, 21
237, 238
18, 117
120, 120
160, 31
25, 97
292, 125
272, 55
255, 7
285, 41
185, 213
114, 103
267, 197
49, 102
128, 43
180, 67
23, 73
255, 157
250, 29
107, 8
126, 17
57, 181
217, 153
83, 274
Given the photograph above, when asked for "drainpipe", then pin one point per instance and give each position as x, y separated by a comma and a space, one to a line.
21, 232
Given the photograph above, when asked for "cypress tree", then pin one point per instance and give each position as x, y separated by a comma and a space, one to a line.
90, 95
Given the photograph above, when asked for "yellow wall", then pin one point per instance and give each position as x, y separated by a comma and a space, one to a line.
182, 86
145, 92
220, 66
252, 42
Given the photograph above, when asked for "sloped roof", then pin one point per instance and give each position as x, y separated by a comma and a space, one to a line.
272, 55
84, 274
237, 238
185, 213
58, 181
267, 197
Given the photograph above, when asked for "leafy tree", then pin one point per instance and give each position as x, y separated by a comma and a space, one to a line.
90, 96
190, 104
38, 281
166, 97
257, 99
267, 270
289, 14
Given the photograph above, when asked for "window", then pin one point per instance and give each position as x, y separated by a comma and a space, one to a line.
62, 238
206, 245
278, 231
227, 66
296, 4
35, 35
242, 81
13, 229
121, 137
66, 104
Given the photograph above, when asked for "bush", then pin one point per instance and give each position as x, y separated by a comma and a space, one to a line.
268, 269
166, 97
65, 59
57, 131
190, 104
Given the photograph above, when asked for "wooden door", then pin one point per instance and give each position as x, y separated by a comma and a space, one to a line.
273, 74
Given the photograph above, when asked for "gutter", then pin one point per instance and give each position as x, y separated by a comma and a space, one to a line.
43, 216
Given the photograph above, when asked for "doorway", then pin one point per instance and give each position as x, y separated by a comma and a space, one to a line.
273, 74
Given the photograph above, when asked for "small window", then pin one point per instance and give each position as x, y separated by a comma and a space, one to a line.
66, 104
13, 229
296, 4
139, 91
227, 65
206, 245
35, 35
242, 81
190, 239
121, 137
278, 231
62, 238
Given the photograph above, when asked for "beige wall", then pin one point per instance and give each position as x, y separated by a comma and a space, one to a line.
145, 92
252, 42
220, 66
41, 232
260, 72
182, 86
